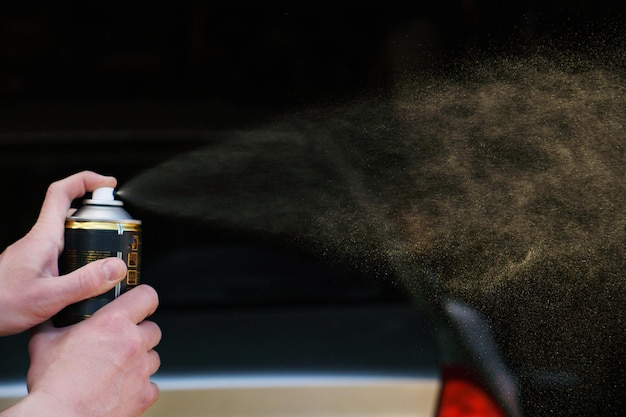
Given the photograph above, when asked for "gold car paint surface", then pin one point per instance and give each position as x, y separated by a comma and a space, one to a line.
288, 396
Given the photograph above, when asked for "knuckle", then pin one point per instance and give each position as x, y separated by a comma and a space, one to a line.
53, 188
155, 331
117, 329
134, 345
150, 395
150, 292
159, 334
113, 321
130, 344
147, 295
154, 362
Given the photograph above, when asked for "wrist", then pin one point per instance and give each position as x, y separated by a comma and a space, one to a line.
39, 404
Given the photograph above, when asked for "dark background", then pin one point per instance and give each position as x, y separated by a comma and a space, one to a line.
73, 73
269, 53
87, 86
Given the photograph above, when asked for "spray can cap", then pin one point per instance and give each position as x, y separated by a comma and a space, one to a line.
103, 196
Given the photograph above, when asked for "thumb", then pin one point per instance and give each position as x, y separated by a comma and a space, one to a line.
90, 280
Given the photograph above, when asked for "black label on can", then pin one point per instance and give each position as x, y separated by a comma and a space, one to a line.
87, 241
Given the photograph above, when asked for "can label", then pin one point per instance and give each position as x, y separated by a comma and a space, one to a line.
87, 241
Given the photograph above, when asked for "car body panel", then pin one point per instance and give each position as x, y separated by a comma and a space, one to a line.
288, 396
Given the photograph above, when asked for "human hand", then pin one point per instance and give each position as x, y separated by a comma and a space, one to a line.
30, 289
97, 367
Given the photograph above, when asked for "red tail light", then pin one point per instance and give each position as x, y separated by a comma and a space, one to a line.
463, 396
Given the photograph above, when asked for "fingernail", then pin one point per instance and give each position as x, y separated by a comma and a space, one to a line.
113, 269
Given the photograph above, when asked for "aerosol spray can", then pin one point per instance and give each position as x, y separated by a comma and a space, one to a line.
100, 228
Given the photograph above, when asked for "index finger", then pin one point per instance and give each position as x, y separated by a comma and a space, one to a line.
136, 304
61, 193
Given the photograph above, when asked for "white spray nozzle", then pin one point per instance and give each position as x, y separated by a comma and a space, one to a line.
103, 193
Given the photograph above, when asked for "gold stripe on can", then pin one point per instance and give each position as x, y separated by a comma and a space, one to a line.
100, 225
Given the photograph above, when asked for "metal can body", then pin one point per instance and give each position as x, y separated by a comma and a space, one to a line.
87, 240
